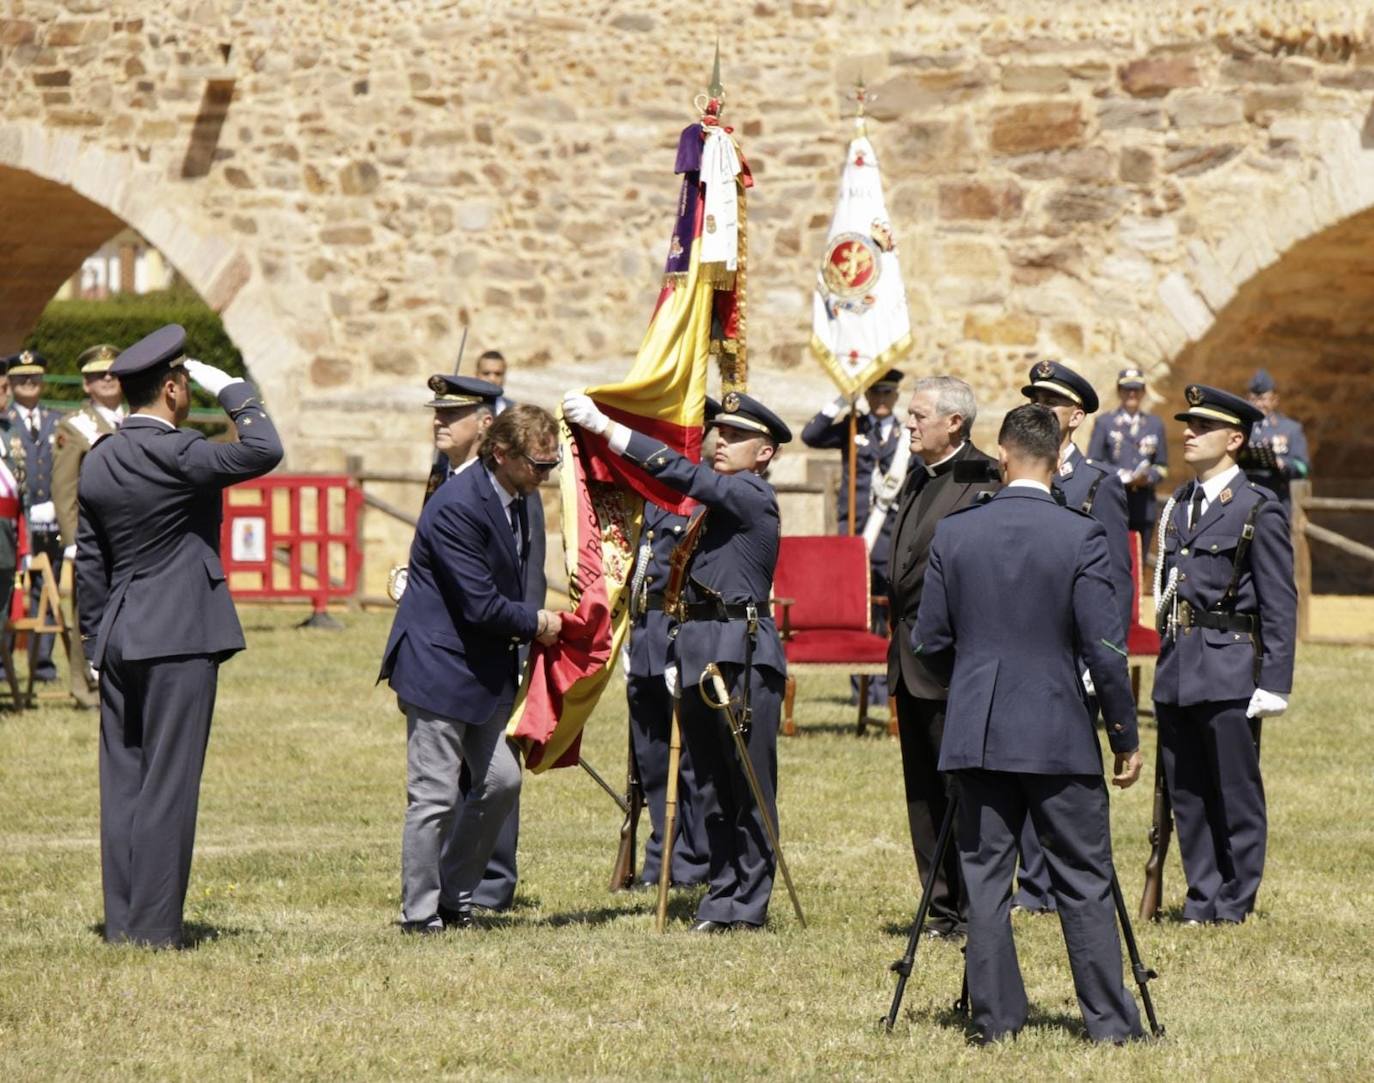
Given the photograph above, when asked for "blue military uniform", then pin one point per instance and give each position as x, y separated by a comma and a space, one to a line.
1019, 591
730, 577
651, 706
37, 431
1094, 489
1228, 605
1134, 445
1276, 454
156, 621
11, 503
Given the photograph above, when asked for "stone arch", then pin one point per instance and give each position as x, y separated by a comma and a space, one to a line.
69, 196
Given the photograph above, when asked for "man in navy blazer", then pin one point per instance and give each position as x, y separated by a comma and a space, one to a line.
1017, 591
453, 660
157, 619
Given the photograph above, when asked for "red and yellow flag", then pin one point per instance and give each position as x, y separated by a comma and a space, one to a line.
699, 313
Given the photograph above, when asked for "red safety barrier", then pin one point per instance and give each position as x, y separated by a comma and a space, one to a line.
293, 536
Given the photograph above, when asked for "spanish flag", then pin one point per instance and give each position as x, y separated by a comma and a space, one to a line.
699, 313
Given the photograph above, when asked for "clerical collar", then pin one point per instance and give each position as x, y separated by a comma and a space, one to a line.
945, 465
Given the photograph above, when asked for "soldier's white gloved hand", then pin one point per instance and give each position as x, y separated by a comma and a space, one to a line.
580, 410
43, 513
861, 406
670, 678
69, 553
207, 376
1126, 476
836, 408
93, 672
1266, 704
1088, 685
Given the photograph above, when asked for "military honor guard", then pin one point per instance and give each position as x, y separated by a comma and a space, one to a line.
727, 621
36, 427
881, 459
651, 706
13, 530
939, 421
100, 414
1276, 454
1017, 597
1228, 611
1134, 444
491, 367
1094, 489
453, 659
157, 619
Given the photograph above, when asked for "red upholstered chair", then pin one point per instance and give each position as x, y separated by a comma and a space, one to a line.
822, 606
1142, 641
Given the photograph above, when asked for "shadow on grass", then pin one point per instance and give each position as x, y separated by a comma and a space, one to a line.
193, 933
681, 907
876, 727
951, 1017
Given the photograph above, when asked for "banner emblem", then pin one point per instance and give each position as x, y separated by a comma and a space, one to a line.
851, 265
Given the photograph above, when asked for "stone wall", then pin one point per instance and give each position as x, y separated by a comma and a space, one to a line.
352, 182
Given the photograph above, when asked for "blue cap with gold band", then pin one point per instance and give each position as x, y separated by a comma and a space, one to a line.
165, 346
1130, 378
454, 391
1052, 376
740, 411
888, 381
1261, 383
1213, 404
27, 363
97, 359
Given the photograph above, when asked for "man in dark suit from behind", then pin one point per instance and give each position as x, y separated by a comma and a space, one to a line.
1018, 590
939, 420
157, 619
453, 660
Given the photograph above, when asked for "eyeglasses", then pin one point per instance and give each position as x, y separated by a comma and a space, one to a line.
543, 466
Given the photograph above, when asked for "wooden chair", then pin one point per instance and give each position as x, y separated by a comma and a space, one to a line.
46, 620
823, 607
1142, 641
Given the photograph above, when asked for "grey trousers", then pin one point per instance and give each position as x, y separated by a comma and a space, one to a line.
437, 748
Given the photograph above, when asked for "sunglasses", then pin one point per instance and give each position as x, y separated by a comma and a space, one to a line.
542, 465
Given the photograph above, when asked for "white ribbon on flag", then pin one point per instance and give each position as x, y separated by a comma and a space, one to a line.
720, 166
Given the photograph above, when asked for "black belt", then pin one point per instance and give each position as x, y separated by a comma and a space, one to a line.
653, 603
716, 610
1189, 617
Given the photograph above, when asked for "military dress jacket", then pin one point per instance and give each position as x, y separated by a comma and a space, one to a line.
734, 560
1283, 436
1018, 590
454, 642
907, 569
870, 452
649, 632
76, 434
1203, 665
1137, 445
12, 462
38, 453
147, 544
1089, 487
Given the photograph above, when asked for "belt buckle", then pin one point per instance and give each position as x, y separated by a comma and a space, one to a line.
1185, 614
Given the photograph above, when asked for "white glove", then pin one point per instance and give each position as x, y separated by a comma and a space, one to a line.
670, 679
1088, 685
580, 410
69, 553
1266, 704
45, 512
1126, 476
838, 408
861, 406
94, 673
25, 562
207, 376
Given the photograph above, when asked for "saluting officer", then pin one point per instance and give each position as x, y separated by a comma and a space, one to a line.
37, 429
651, 706
1134, 443
157, 619
727, 619
1091, 488
1276, 454
882, 458
99, 415
1228, 605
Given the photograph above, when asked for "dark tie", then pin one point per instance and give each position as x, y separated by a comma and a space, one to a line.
33, 425
1195, 510
516, 510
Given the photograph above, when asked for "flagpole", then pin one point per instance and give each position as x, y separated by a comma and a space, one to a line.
853, 464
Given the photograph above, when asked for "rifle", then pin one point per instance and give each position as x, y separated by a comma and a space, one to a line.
623, 872
1161, 828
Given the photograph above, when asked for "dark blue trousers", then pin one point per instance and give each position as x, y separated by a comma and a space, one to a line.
740, 862
1214, 780
651, 719
1070, 817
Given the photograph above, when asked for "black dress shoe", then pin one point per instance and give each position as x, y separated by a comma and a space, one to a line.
460, 918
936, 932
711, 927
422, 928
746, 927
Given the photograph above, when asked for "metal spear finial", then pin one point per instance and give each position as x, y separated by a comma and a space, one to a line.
715, 89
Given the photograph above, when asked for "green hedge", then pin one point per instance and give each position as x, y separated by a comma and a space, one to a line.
66, 328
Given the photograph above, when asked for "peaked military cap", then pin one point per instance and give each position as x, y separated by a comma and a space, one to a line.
1213, 404
451, 391
97, 359
741, 411
28, 363
165, 346
1130, 378
888, 381
1261, 382
1052, 376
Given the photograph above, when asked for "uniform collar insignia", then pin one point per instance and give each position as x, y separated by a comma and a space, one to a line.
1066, 468
1225, 496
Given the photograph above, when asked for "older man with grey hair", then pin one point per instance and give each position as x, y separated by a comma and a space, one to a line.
950, 475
